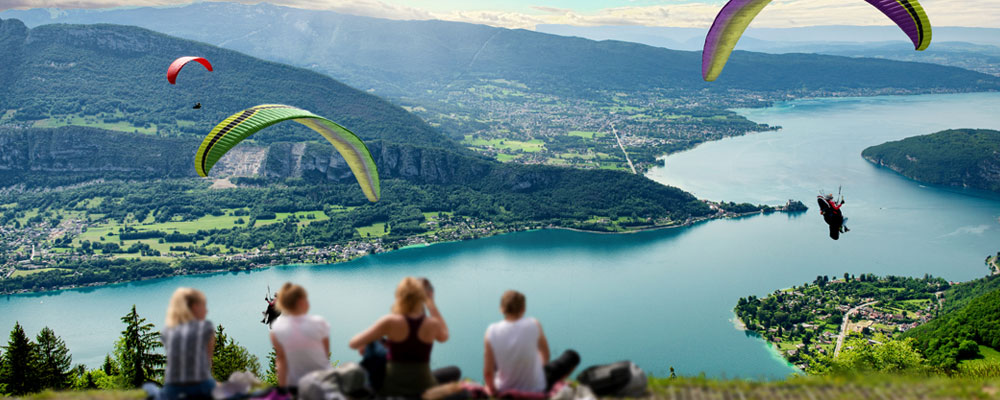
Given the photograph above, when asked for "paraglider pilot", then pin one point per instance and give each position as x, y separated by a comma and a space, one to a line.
271, 313
830, 209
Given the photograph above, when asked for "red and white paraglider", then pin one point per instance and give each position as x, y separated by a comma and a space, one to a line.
175, 67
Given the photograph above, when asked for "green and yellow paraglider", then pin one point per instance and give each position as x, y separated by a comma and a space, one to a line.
231, 131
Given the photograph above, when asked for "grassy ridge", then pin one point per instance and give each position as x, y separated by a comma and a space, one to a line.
811, 388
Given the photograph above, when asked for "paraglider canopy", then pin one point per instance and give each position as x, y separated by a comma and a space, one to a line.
736, 15
241, 125
175, 67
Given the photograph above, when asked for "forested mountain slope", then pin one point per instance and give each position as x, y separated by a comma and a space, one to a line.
956, 157
114, 76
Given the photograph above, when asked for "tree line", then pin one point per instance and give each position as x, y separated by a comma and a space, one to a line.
45, 363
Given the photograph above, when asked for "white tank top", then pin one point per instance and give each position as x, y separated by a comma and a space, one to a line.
515, 348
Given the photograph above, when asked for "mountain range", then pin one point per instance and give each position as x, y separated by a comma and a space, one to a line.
407, 58
971, 48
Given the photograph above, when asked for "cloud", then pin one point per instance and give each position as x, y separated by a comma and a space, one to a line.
372, 8
970, 230
780, 13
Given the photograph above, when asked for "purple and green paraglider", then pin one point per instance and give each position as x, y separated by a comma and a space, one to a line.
736, 15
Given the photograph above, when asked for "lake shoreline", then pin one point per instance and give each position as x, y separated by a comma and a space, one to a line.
500, 232
771, 347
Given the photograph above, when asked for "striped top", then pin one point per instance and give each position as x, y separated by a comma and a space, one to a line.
186, 347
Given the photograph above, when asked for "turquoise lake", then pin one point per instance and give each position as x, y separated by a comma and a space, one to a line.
661, 298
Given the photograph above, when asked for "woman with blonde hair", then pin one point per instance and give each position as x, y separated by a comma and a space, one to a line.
409, 335
301, 341
189, 340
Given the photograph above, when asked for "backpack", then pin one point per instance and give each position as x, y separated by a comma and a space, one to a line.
621, 379
347, 381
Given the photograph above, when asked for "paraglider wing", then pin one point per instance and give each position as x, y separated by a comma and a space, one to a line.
729, 25
909, 15
179, 63
241, 125
736, 15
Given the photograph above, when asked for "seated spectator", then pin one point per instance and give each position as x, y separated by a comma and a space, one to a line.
409, 335
517, 352
188, 341
301, 341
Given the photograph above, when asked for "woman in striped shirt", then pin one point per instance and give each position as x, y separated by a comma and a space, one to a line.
189, 340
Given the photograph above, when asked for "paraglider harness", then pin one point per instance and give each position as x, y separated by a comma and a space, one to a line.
271, 313
830, 209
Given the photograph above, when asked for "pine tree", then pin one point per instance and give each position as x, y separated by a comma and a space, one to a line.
138, 359
271, 377
54, 361
230, 357
89, 383
109, 367
17, 366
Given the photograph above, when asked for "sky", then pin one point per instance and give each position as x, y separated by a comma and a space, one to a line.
527, 14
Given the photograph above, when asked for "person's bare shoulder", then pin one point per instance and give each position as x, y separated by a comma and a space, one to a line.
392, 320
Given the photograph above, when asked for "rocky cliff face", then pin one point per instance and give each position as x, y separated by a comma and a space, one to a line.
61, 156
77, 149
12, 34
415, 164
117, 155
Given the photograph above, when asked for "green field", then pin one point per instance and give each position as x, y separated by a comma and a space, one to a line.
587, 134
530, 146
25, 272
207, 222
989, 356
377, 229
302, 216
109, 231
437, 214
93, 122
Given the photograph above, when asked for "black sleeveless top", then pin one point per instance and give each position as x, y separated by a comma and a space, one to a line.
411, 349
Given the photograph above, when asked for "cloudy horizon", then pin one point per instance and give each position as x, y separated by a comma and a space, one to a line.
527, 14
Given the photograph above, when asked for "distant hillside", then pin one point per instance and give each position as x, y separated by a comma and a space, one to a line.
973, 320
959, 157
398, 57
114, 76
976, 49
755, 38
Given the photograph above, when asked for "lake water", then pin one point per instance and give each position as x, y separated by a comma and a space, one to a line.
661, 298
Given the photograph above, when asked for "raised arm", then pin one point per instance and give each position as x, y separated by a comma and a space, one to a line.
373, 333
442, 332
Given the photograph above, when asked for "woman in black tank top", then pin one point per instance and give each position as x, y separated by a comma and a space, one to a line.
409, 335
